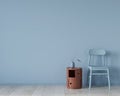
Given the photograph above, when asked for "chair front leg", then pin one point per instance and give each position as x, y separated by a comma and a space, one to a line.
90, 79
108, 76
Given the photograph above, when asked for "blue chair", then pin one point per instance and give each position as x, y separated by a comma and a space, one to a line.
97, 65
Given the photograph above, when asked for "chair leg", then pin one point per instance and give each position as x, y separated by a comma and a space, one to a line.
90, 79
108, 79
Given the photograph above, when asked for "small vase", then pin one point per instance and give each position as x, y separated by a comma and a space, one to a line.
73, 64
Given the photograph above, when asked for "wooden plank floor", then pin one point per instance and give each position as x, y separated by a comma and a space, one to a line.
56, 91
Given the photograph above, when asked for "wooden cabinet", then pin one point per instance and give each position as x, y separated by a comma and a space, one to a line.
74, 78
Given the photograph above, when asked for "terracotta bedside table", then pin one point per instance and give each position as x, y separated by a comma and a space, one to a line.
74, 78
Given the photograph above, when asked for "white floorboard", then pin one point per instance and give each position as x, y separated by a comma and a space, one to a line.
56, 91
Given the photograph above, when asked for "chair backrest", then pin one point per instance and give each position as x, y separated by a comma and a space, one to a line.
97, 57
97, 52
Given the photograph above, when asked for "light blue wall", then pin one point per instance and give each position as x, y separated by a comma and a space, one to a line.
39, 38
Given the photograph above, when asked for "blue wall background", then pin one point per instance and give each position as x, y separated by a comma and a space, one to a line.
39, 38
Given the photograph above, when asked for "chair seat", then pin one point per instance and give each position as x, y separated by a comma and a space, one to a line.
98, 68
